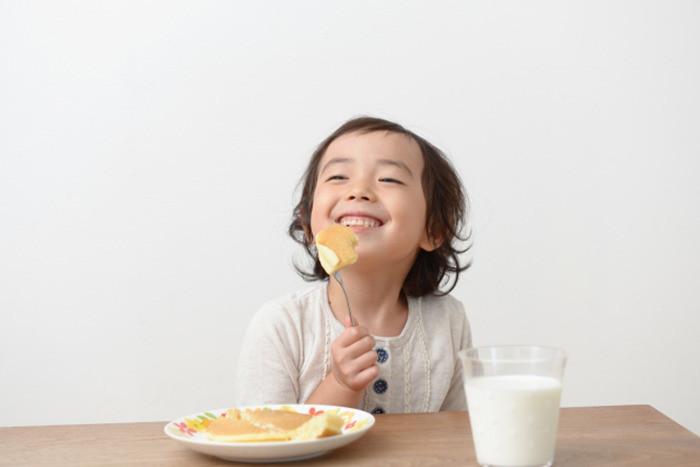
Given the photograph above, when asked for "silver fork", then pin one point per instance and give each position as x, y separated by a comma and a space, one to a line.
336, 274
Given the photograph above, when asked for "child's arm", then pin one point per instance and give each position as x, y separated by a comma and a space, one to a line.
461, 338
354, 367
266, 371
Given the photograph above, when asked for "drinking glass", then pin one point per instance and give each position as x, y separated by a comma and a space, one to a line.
513, 397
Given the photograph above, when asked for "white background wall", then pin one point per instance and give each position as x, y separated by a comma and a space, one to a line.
149, 151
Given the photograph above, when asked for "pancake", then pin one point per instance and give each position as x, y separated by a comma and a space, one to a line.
336, 247
232, 429
320, 426
276, 420
272, 425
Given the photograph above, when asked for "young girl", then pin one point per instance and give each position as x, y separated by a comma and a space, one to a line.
406, 204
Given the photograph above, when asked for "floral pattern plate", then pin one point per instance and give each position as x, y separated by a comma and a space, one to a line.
190, 431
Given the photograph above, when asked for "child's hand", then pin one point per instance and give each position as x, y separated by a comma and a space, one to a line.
354, 358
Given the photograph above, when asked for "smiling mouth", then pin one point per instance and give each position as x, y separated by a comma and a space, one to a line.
359, 221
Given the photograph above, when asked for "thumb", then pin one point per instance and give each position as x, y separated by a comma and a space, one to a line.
348, 322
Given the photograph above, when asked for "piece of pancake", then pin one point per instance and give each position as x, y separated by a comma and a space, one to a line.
336, 247
232, 429
276, 420
320, 426
272, 425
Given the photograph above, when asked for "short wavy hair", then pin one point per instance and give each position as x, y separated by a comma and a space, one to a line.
446, 213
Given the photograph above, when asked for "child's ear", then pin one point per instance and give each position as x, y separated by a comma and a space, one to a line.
430, 242
308, 235
309, 238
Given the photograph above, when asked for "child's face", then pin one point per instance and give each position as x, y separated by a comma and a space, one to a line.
372, 183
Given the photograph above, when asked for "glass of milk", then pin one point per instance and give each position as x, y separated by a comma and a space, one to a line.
513, 396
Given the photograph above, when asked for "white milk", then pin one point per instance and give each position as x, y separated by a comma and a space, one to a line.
514, 418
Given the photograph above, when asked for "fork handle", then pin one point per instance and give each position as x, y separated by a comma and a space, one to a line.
336, 274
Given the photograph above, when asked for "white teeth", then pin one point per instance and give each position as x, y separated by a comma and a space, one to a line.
359, 222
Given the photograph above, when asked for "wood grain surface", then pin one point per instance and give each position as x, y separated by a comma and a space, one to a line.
617, 436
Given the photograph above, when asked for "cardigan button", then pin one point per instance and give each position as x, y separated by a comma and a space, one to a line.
378, 410
382, 355
380, 386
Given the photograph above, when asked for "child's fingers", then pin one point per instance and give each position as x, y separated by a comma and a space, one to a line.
352, 334
348, 322
353, 342
353, 363
367, 375
354, 357
367, 359
361, 346
355, 375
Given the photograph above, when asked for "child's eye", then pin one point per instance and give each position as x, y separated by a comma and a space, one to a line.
336, 177
390, 180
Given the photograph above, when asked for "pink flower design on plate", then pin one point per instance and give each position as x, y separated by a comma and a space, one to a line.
185, 429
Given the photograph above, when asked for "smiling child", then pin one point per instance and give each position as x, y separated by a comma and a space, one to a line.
404, 201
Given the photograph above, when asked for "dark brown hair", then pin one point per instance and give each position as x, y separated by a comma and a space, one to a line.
446, 212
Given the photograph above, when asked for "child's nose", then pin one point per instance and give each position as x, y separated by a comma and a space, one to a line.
359, 192
353, 196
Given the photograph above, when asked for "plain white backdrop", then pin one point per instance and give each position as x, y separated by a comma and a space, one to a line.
149, 152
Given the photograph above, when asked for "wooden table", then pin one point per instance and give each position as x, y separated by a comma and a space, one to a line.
623, 435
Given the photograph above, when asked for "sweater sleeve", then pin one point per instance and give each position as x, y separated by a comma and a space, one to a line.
268, 370
456, 399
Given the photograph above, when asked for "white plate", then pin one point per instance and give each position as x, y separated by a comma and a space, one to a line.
190, 431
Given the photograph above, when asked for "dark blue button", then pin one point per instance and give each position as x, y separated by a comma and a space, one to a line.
382, 355
380, 386
377, 410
